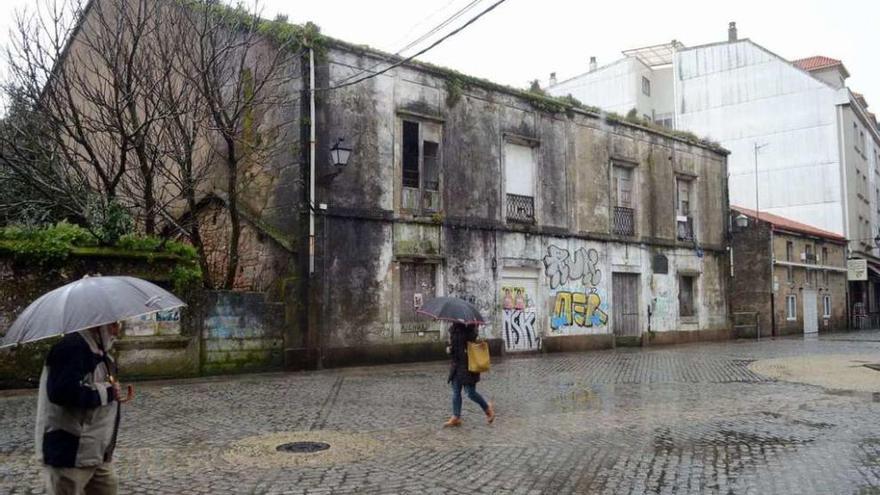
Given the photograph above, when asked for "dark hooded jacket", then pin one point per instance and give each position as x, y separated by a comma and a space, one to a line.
77, 411
459, 336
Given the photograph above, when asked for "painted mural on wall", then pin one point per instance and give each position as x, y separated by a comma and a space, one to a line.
575, 288
520, 315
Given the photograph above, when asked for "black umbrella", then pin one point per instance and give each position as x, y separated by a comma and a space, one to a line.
452, 309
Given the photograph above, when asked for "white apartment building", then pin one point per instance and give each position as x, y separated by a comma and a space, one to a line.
803, 145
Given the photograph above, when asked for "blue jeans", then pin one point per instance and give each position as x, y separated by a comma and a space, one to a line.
472, 394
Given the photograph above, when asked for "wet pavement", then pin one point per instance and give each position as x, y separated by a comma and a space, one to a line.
685, 419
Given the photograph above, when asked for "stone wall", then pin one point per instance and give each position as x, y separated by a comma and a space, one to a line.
240, 332
218, 332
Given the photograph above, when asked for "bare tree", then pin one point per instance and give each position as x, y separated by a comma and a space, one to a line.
86, 71
239, 72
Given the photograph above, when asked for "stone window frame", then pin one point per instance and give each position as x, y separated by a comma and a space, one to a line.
692, 180
422, 120
530, 142
791, 307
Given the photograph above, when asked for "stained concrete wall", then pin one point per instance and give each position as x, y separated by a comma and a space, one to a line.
471, 249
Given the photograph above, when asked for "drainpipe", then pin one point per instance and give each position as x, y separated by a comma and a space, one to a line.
311, 161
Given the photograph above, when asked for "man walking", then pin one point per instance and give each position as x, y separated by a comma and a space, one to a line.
78, 414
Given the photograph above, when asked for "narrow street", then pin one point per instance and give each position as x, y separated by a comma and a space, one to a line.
685, 419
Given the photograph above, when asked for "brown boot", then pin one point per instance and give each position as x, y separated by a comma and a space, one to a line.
490, 413
453, 421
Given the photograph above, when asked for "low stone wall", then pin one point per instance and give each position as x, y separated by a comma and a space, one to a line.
218, 332
241, 332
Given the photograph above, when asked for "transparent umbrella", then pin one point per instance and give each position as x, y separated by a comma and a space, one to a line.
86, 303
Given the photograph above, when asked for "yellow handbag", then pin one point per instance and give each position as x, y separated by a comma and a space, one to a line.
478, 356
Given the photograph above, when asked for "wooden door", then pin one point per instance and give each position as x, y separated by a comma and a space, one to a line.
625, 287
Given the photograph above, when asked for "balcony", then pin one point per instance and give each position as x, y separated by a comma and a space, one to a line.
624, 221
684, 229
520, 208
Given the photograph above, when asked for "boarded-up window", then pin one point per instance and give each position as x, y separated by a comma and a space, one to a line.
417, 285
623, 187
519, 169
519, 182
686, 296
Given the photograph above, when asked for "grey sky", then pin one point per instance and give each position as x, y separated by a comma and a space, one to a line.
527, 39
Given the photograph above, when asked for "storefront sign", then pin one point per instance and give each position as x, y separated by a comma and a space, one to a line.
857, 269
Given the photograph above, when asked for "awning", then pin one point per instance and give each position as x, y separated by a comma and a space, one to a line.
873, 271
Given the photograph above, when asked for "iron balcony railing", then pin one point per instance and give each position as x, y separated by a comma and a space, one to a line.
685, 229
624, 221
520, 208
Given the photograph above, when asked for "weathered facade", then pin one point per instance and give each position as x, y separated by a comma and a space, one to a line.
786, 277
565, 229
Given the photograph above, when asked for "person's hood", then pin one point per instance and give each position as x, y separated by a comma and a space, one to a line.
99, 338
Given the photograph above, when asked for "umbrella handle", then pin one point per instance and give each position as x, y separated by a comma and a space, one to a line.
128, 388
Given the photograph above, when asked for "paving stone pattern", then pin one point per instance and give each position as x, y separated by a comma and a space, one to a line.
685, 419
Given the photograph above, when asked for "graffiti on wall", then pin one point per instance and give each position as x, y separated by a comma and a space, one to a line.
575, 280
520, 315
582, 309
561, 267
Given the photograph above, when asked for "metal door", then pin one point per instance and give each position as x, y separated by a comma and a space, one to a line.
811, 312
625, 288
521, 327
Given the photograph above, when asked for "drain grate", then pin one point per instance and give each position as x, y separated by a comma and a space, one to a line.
302, 447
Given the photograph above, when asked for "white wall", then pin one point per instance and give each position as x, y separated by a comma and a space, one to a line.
612, 88
740, 95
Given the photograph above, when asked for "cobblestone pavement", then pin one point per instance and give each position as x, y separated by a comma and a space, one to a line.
684, 419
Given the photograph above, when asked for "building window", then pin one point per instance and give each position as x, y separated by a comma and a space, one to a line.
519, 182
856, 135
809, 257
646, 86
417, 285
624, 200
826, 306
683, 219
791, 307
789, 250
825, 278
686, 295
825, 256
421, 167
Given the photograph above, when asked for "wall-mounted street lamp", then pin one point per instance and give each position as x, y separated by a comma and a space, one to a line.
742, 221
339, 154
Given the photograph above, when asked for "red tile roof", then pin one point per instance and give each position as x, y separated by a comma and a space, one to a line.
783, 223
819, 62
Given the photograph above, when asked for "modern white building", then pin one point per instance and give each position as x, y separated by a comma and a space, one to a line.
803, 145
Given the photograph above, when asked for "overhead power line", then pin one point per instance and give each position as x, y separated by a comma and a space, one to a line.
407, 59
418, 40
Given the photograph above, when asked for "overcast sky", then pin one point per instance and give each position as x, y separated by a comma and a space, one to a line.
523, 40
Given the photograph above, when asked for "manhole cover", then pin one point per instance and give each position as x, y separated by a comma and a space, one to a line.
302, 447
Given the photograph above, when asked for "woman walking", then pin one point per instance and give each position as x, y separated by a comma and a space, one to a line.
459, 376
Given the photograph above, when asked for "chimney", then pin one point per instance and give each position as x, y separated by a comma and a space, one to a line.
731, 32
552, 79
592, 64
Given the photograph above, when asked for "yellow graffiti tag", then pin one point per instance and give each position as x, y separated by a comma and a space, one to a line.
578, 308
